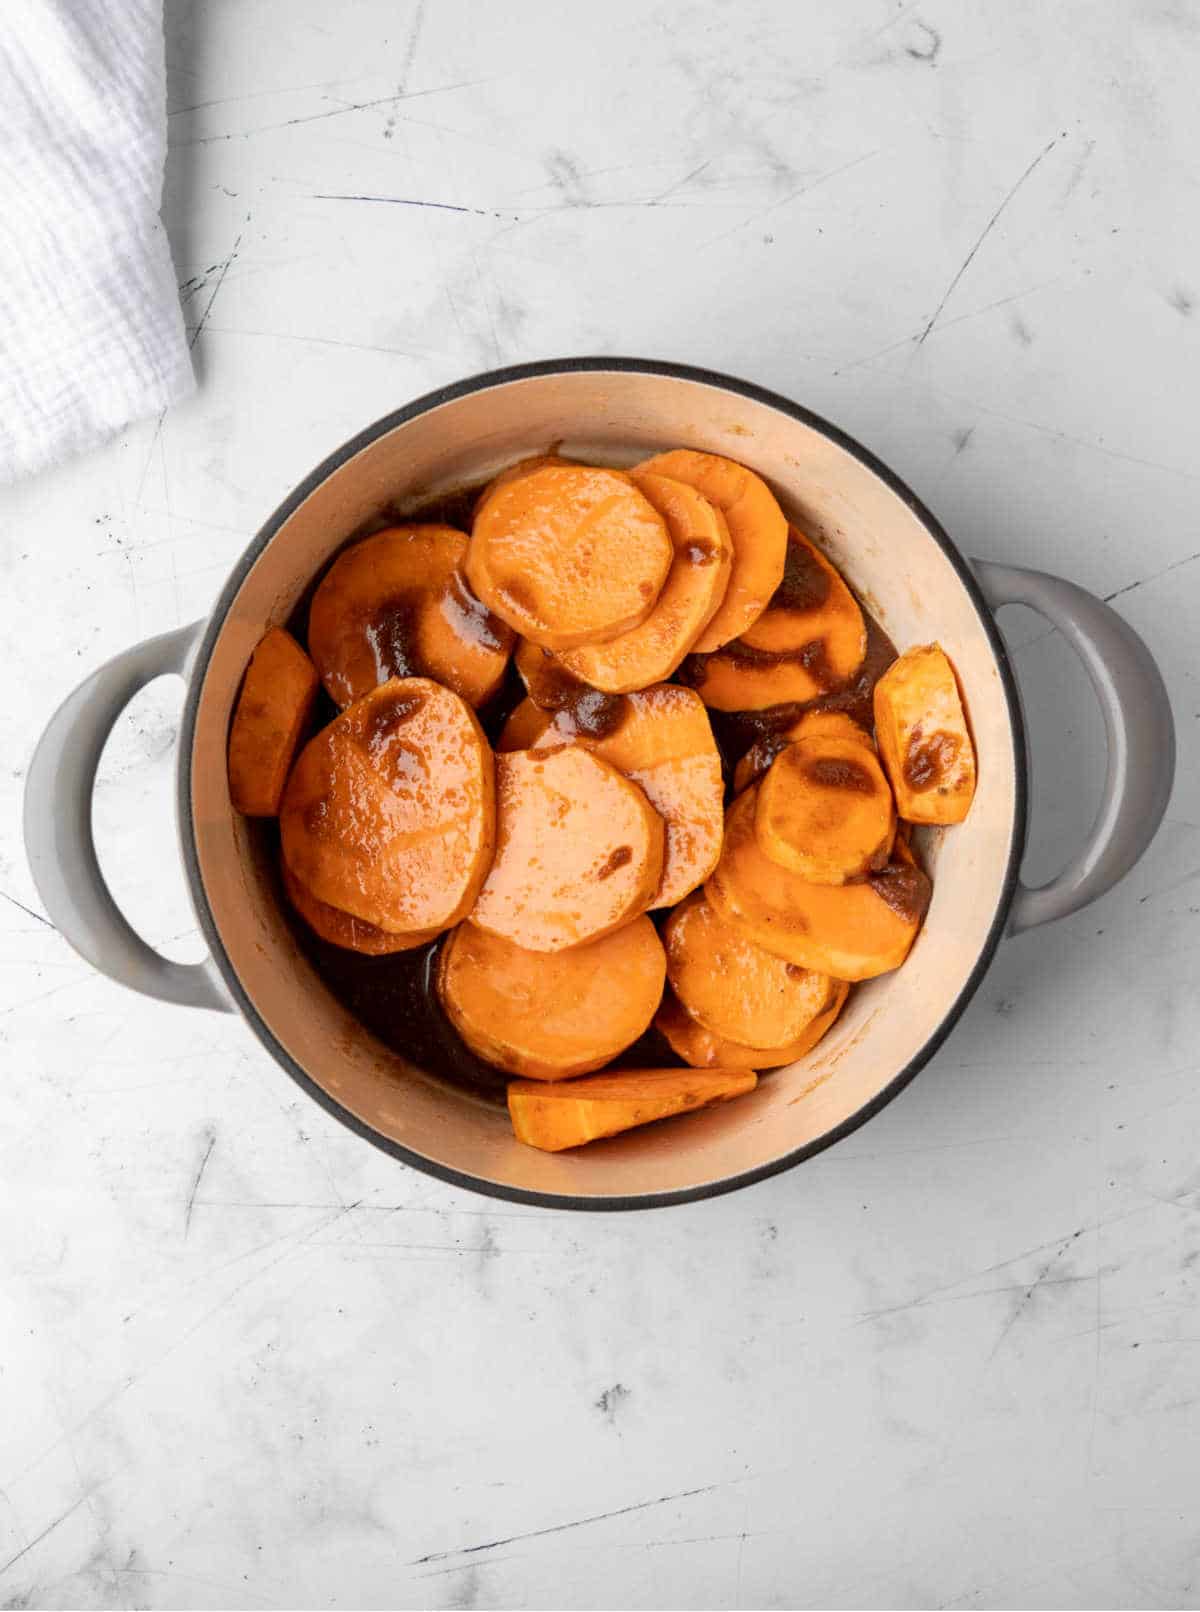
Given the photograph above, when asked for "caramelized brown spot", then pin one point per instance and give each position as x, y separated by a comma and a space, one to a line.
701, 554
794, 971
472, 618
805, 584
617, 859
693, 672
928, 761
386, 714
391, 631
830, 773
906, 890
646, 589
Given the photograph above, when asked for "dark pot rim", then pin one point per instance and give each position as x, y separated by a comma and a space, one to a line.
423, 405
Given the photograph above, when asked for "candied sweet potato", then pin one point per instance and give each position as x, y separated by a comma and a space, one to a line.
812, 725
757, 527
569, 554
923, 737
556, 1117
852, 931
389, 812
703, 1049
549, 1015
269, 719
579, 850
691, 595
825, 810
526, 724
397, 604
340, 929
732, 986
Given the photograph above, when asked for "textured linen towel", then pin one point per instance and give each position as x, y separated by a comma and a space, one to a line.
91, 333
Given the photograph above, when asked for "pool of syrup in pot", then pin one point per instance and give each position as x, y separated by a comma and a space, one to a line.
395, 997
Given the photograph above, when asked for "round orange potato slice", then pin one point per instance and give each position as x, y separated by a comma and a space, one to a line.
340, 929
923, 737
558, 1117
812, 725
569, 554
397, 604
757, 528
579, 850
825, 810
661, 739
732, 986
691, 595
550, 1015
389, 813
700, 1047
851, 931
271, 714
513, 472
810, 639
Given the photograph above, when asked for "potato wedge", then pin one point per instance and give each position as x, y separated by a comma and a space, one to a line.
556, 1117
812, 725
579, 850
812, 638
269, 719
852, 931
340, 929
549, 1015
397, 604
389, 813
757, 527
663, 741
923, 737
568, 554
825, 810
690, 597
732, 986
703, 1049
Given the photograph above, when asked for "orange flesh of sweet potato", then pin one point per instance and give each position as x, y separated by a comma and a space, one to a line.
340, 929
732, 986
272, 710
810, 639
825, 811
556, 1117
923, 737
579, 850
690, 596
812, 725
661, 739
568, 554
524, 727
550, 1015
398, 605
514, 472
703, 1049
852, 931
389, 812
757, 527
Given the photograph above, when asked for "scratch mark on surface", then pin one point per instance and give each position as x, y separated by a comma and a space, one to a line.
208, 308
50, 1527
793, 195
932, 47
414, 201
562, 1527
336, 112
986, 231
1037, 1282
1153, 577
949, 324
191, 1203
656, 201
28, 911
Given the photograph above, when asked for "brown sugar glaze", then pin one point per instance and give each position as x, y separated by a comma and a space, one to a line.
395, 996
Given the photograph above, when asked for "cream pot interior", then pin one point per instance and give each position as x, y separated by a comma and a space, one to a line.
916, 587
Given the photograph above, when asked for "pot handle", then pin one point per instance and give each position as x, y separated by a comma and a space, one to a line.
58, 828
1138, 726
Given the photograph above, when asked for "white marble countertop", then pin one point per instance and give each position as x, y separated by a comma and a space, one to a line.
245, 1360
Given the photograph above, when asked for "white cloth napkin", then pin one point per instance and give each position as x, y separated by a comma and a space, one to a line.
91, 333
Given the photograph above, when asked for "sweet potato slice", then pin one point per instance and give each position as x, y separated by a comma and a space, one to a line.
556, 1117
397, 604
569, 554
579, 850
812, 725
734, 987
757, 527
524, 727
661, 739
825, 810
694, 589
514, 472
389, 813
268, 721
551, 1015
810, 639
552, 687
852, 931
923, 737
703, 1049
340, 929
